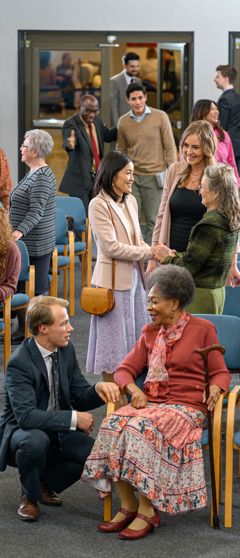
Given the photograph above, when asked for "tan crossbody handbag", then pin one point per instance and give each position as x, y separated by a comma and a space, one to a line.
97, 301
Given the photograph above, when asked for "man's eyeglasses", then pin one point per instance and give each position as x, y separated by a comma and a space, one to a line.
90, 111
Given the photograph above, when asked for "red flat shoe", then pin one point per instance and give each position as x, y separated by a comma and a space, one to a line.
111, 527
133, 534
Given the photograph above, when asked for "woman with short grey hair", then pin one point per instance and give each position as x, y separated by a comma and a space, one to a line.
32, 212
40, 141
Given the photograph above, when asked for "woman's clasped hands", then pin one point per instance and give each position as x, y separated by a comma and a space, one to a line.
160, 252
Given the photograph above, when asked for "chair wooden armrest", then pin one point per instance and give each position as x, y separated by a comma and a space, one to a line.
71, 273
217, 445
54, 284
30, 291
7, 330
232, 402
111, 407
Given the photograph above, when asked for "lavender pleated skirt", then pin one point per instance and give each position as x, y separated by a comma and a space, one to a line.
113, 336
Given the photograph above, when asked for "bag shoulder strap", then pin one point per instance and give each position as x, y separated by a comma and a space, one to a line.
113, 260
84, 263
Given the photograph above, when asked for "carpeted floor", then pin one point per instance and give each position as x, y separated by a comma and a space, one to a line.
71, 530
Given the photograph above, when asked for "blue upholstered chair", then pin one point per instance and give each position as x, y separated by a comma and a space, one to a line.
27, 274
65, 261
74, 207
232, 436
232, 302
228, 331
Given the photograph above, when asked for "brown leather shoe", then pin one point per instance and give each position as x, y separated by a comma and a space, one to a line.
28, 510
49, 498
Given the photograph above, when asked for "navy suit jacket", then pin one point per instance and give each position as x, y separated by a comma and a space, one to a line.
78, 175
26, 394
229, 114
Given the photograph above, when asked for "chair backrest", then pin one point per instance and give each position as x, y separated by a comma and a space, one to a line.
61, 228
25, 262
232, 302
74, 207
228, 332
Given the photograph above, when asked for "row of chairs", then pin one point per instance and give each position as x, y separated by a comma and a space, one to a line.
228, 331
17, 301
62, 259
68, 246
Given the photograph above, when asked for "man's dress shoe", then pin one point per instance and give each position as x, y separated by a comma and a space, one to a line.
28, 510
17, 339
49, 498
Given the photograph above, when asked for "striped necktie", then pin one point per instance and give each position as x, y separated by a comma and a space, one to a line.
94, 147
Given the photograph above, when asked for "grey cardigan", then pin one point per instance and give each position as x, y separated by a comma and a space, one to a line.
32, 211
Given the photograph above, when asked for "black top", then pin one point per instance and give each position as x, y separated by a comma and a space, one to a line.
186, 210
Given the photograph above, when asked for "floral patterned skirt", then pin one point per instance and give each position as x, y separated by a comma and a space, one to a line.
157, 450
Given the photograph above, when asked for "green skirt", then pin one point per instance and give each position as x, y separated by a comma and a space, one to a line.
207, 301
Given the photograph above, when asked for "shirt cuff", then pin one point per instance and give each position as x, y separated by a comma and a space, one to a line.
73, 425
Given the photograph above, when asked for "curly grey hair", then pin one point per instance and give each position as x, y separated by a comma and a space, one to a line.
173, 282
40, 141
221, 180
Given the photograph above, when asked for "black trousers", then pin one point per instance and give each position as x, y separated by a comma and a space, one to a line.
32, 452
237, 159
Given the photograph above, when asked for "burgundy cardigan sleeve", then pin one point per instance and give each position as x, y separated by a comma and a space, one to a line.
5, 180
8, 283
218, 372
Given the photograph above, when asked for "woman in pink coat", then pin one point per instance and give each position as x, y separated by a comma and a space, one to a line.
205, 109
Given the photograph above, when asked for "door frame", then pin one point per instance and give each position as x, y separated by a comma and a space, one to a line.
47, 39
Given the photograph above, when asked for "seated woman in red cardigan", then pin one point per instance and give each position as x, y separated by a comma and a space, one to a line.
155, 442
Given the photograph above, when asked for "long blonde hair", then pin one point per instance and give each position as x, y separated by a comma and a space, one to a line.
208, 142
5, 235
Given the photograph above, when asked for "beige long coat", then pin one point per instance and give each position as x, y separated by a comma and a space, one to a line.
115, 242
162, 227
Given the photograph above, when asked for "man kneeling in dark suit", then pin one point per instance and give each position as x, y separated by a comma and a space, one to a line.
44, 427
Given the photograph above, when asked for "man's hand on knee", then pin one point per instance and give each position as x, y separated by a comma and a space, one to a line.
85, 422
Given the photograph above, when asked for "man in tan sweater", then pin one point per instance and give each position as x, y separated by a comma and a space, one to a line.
145, 134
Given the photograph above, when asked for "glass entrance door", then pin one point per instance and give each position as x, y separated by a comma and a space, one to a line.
234, 56
60, 69
173, 85
57, 68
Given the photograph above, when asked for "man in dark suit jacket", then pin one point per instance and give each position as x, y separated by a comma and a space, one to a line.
44, 430
229, 106
119, 84
78, 179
